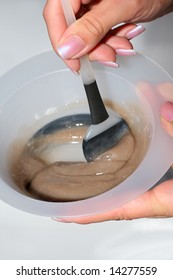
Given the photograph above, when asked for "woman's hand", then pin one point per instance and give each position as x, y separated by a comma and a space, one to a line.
157, 202
92, 33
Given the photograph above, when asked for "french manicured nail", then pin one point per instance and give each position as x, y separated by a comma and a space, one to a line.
135, 32
109, 63
71, 47
125, 52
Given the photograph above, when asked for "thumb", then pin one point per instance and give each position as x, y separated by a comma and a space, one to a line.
156, 202
85, 33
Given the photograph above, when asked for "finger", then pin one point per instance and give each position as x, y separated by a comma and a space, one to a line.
168, 126
103, 52
166, 91
128, 30
56, 25
117, 39
73, 64
154, 203
167, 117
118, 42
167, 111
55, 20
85, 33
106, 50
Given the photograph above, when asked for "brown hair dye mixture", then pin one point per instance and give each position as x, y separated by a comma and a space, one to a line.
71, 181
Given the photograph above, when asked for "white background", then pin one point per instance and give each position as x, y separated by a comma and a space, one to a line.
26, 236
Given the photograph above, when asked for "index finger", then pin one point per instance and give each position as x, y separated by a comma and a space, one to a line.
55, 20
56, 24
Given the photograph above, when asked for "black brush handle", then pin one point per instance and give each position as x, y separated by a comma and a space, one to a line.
96, 105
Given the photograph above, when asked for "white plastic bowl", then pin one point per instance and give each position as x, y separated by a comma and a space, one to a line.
42, 88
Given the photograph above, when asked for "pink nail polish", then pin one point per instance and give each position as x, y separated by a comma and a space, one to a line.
71, 47
125, 52
109, 63
135, 32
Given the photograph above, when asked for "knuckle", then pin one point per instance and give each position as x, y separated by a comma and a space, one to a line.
93, 25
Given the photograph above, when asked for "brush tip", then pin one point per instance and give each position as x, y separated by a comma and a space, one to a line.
104, 141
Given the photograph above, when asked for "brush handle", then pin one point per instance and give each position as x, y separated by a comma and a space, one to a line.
96, 105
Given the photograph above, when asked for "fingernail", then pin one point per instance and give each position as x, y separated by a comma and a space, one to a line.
125, 52
60, 220
70, 47
135, 32
109, 63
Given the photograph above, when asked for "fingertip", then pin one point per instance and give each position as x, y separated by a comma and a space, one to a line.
167, 117
167, 111
129, 30
73, 65
168, 126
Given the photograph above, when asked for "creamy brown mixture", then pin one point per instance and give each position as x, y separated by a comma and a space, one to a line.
70, 181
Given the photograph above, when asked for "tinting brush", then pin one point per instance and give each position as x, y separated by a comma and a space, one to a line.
106, 129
